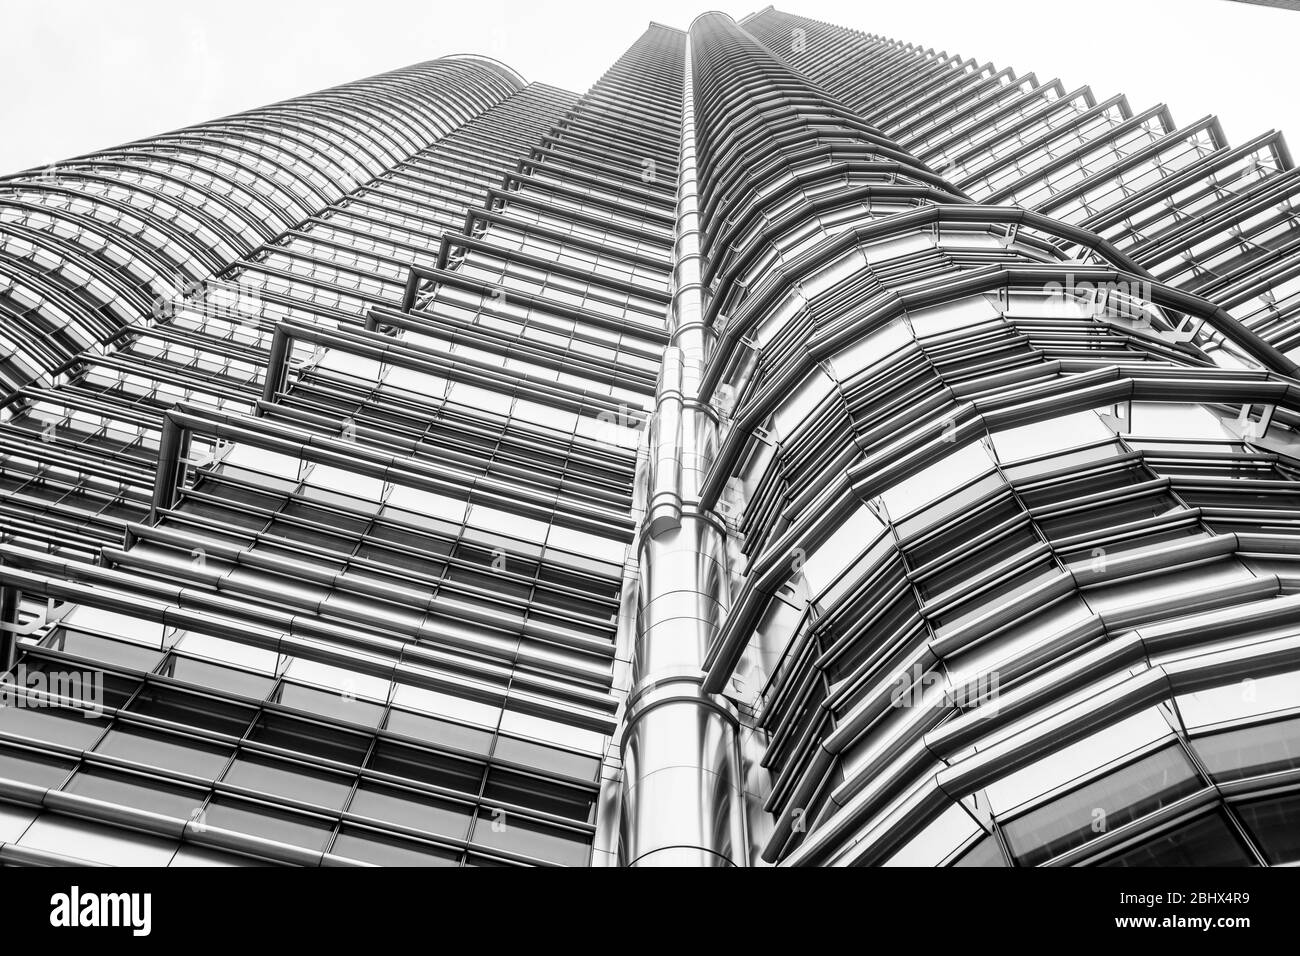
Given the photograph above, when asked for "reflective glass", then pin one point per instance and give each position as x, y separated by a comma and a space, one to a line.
1101, 806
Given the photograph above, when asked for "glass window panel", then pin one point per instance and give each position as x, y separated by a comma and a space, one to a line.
986, 852
444, 733
1171, 420
111, 622
330, 704
1117, 798
1208, 841
506, 786
1267, 748
104, 649
867, 349
30, 766
478, 860
97, 843
1147, 590
937, 840
168, 751
507, 831
1275, 825
137, 792
261, 820
550, 759
825, 562
228, 652
975, 559
952, 315
434, 769
189, 855
71, 728
959, 502
932, 482
192, 710
411, 808
216, 677
1058, 490
371, 846
293, 781
340, 679
1050, 435
992, 656
317, 740
802, 399
951, 540
566, 735
1245, 698
1109, 514
1002, 590
1029, 470
14, 821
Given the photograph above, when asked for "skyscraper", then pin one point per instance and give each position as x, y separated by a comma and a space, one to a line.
802, 448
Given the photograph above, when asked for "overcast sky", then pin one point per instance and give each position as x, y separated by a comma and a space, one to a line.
77, 75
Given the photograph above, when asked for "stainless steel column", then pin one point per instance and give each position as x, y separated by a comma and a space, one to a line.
682, 799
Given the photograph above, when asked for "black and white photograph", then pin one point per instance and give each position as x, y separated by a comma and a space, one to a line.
527, 435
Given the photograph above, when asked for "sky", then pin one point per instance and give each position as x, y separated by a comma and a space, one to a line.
77, 75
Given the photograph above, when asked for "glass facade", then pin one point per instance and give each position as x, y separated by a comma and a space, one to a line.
803, 448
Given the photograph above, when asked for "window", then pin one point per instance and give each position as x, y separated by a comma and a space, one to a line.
137, 791
411, 808
104, 649
497, 829
316, 740
70, 728
168, 751
33, 767
96, 843
427, 767
1267, 748
371, 846
1208, 841
550, 759
262, 820
1275, 824
292, 781
1115, 799
986, 852
442, 733
330, 704
505, 786
224, 679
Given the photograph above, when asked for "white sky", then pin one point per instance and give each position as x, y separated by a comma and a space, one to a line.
79, 75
